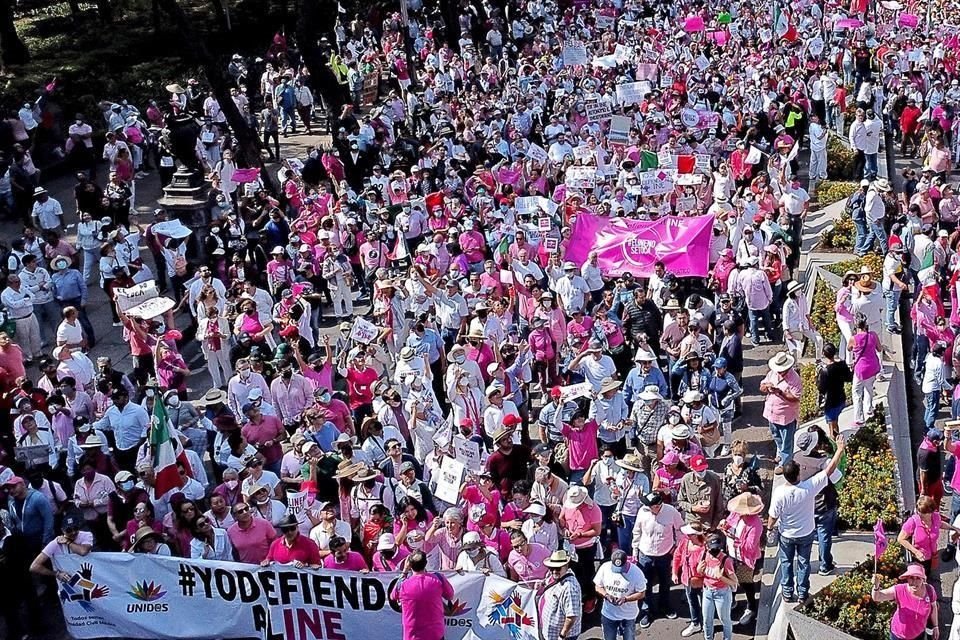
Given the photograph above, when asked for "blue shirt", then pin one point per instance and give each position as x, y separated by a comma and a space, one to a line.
325, 437
34, 518
69, 285
636, 381
429, 344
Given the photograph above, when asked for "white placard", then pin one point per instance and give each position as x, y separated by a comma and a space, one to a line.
544, 224
171, 229
538, 153
688, 203
551, 244
506, 276
527, 204
623, 53
364, 331
574, 53
297, 504
619, 130
449, 480
597, 110
632, 92
151, 308
605, 22
666, 160
582, 153
467, 452
657, 182
702, 163
574, 391
548, 205
132, 296
581, 177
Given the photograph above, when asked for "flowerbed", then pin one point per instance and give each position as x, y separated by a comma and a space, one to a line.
839, 159
870, 478
842, 235
845, 603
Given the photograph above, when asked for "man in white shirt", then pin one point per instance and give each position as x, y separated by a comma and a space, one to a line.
560, 149
622, 586
571, 289
858, 140
47, 212
818, 152
874, 131
593, 277
37, 281
875, 210
18, 302
792, 516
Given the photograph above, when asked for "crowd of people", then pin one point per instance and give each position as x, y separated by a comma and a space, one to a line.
392, 307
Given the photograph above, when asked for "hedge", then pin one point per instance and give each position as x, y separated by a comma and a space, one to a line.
839, 159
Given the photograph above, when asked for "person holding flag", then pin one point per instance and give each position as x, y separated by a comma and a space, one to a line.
167, 452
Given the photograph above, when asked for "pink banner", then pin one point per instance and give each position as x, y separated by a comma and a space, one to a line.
908, 20
683, 244
242, 176
692, 24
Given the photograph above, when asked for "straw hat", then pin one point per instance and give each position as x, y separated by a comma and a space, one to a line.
609, 384
142, 534
407, 354
365, 473
93, 442
502, 432
651, 392
631, 462
691, 396
746, 504
644, 355
348, 469
214, 396
792, 286
252, 489
576, 496
781, 362
680, 431
558, 559
882, 184
174, 88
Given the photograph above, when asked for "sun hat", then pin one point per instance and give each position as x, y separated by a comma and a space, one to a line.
807, 441
692, 529
692, 395
793, 285
92, 442
142, 534
502, 432
669, 458
698, 462
558, 559
746, 504
576, 496
632, 462
883, 184
214, 396
651, 392
781, 362
471, 539
386, 541
493, 388
609, 384
253, 488
680, 432
366, 473
643, 355
407, 354
536, 508
914, 570
348, 469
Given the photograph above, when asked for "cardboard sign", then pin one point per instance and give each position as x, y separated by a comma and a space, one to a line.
297, 504
597, 110
632, 92
657, 182
538, 153
582, 153
623, 54
551, 244
467, 452
506, 276
688, 203
574, 391
527, 204
544, 224
171, 229
449, 480
605, 22
581, 177
371, 87
574, 53
364, 331
619, 130
152, 308
132, 296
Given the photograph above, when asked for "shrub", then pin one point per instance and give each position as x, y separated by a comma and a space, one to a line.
875, 263
845, 603
869, 486
842, 235
809, 396
830, 191
822, 315
839, 159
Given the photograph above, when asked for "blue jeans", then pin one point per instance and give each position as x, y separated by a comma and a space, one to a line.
90, 258
876, 230
863, 236
694, 603
871, 168
892, 299
795, 549
656, 569
783, 438
826, 524
718, 601
755, 317
627, 629
931, 402
625, 533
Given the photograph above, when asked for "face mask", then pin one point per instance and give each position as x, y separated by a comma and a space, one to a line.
245, 375
547, 304
609, 461
325, 398
84, 428
715, 552
126, 485
738, 460
700, 474
473, 553
674, 419
174, 402
151, 393
265, 501
459, 359
231, 484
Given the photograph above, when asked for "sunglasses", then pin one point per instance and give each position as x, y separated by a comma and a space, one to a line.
240, 510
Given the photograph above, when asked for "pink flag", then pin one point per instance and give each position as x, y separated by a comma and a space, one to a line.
693, 24
879, 539
242, 176
683, 244
849, 23
908, 20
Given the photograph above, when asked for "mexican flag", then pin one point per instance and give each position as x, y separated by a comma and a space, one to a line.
649, 160
167, 452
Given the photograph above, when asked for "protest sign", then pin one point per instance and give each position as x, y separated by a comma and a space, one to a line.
506, 276
623, 53
702, 163
538, 153
605, 22
683, 244
647, 71
364, 331
171, 229
151, 308
666, 80
597, 110
140, 596
132, 296
527, 204
666, 160
551, 244
581, 177
685, 204
371, 88
543, 223
297, 504
619, 130
467, 452
448, 482
582, 153
657, 182
574, 391
574, 53
632, 92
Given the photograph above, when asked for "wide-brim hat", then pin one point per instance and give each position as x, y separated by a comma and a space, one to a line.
477, 334
502, 432
348, 469
651, 392
142, 534
576, 496
692, 395
92, 442
609, 384
781, 362
746, 504
793, 285
60, 263
914, 570
882, 184
215, 396
672, 305
643, 355
365, 473
631, 462
680, 431
407, 354
558, 559
253, 488
174, 88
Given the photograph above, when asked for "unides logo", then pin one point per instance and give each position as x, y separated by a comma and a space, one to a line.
454, 608
148, 594
507, 613
81, 588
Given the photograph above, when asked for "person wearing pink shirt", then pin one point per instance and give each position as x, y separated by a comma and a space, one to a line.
389, 555
342, 558
917, 607
421, 596
473, 246
525, 562
782, 387
292, 547
581, 438
251, 537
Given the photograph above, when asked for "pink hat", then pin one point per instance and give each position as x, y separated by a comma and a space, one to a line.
670, 457
698, 462
913, 571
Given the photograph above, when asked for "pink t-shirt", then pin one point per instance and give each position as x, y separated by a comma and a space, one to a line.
910, 618
727, 564
866, 360
582, 518
322, 379
358, 386
530, 567
421, 598
474, 498
354, 562
923, 538
303, 549
582, 444
392, 564
252, 544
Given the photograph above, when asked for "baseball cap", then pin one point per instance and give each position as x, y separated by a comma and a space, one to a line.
618, 561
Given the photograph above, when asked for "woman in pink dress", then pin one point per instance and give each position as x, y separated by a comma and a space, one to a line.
865, 349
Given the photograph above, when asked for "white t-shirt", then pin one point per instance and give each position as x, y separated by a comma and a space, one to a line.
54, 548
595, 371
792, 506
267, 479
620, 585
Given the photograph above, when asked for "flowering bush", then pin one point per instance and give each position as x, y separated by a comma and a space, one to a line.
809, 397
830, 191
845, 603
839, 159
842, 235
869, 484
822, 315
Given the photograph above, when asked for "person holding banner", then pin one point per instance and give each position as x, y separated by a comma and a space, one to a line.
422, 596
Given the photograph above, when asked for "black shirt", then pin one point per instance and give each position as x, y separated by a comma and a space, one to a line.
830, 381
930, 461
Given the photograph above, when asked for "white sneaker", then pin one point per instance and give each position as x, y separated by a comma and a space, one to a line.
747, 617
691, 629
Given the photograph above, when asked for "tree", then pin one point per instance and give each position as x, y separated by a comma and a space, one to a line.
309, 31
248, 143
12, 48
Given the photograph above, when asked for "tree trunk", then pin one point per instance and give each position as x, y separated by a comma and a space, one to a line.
12, 49
309, 31
248, 143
